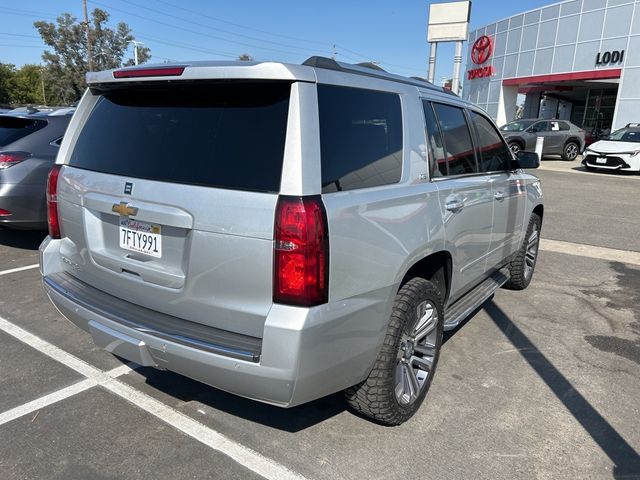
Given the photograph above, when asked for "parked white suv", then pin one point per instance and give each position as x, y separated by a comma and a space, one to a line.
283, 232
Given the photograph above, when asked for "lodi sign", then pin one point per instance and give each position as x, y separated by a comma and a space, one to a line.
607, 58
481, 51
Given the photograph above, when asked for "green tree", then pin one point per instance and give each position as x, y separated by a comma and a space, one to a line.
68, 64
245, 57
7, 82
28, 85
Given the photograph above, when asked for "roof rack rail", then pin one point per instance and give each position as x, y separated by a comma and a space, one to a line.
369, 69
372, 66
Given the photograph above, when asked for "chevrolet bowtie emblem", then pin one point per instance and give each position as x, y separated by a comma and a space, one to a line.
124, 210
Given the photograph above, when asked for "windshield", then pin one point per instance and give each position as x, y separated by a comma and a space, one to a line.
518, 126
625, 135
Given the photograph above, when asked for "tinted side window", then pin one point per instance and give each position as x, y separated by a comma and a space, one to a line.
564, 126
435, 148
457, 140
494, 154
539, 127
360, 138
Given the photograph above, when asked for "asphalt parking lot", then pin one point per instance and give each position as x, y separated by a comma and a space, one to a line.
543, 383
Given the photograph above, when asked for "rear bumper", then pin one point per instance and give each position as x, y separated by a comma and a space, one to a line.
27, 205
304, 353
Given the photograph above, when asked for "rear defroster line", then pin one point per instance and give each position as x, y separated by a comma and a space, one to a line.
244, 456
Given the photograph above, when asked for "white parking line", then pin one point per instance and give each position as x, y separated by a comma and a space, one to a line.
40, 403
244, 456
66, 392
581, 250
51, 350
19, 269
238, 452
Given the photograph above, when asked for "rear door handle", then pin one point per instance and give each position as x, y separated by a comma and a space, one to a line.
499, 195
454, 205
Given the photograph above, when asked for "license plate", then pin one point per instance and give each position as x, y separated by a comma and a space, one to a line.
141, 237
601, 160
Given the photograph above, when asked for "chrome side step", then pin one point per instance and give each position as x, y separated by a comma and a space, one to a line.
456, 313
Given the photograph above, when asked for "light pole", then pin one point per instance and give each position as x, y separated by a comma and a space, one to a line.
104, 63
135, 50
44, 97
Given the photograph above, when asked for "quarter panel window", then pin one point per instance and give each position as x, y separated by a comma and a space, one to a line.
494, 153
360, 138
457, 140
435, 147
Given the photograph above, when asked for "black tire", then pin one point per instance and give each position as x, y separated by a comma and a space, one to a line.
523, 263
377, 396
571, 151
515, 147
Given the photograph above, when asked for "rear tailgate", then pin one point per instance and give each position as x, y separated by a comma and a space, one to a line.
168, 195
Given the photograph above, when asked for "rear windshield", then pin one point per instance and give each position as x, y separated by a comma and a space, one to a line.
14, 128
227, 135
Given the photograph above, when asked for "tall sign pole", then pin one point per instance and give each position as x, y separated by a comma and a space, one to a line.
457, 62
448, 22
433, 51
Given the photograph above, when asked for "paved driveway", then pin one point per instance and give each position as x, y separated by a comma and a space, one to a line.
537, 384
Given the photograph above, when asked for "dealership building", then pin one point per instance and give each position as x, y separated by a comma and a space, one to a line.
577, 60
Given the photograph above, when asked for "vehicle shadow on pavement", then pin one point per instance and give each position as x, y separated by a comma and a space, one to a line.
625, 458
288, 419
24, 239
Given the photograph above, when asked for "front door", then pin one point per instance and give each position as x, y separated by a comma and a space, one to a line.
507, 190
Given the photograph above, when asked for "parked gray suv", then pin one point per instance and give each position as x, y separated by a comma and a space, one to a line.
560, 137
283, 232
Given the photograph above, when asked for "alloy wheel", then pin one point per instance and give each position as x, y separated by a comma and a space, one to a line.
532, 251
416, 355
572, 151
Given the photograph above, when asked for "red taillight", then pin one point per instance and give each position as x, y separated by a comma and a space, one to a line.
9, 159
52, 201
149, 72
4, 213
301, 252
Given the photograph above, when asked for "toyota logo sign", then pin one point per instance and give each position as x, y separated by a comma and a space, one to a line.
481, 50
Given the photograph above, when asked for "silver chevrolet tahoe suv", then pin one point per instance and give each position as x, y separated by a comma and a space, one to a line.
283, 232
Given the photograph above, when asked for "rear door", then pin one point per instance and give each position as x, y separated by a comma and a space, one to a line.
552, 138
557, 135
168, 198
465, 194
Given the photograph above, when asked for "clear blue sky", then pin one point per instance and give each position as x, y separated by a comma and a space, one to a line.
390, 32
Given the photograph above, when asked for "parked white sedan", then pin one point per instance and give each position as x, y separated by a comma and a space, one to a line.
618, 151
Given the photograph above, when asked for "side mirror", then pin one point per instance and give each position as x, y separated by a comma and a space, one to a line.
526, 160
